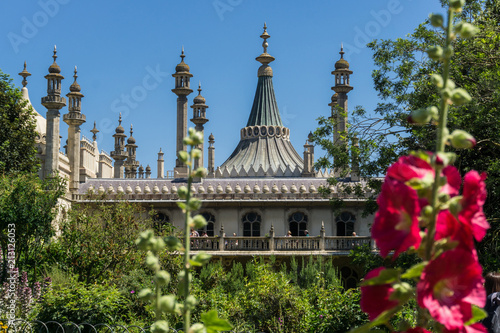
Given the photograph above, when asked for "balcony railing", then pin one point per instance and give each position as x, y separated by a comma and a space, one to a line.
279, 244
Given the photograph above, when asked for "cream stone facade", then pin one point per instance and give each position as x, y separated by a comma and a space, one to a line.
264, 189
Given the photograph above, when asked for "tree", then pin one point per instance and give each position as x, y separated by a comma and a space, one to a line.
27, 209
401, 79
17, 130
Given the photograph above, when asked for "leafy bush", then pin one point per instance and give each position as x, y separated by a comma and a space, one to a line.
79, 303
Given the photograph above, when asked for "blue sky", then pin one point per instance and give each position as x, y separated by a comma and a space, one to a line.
126, 52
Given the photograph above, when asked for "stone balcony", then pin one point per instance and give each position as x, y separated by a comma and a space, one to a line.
219, 246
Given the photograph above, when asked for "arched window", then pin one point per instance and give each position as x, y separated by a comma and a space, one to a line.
210, 227
345, 224
297, 223
161, 222
251, 225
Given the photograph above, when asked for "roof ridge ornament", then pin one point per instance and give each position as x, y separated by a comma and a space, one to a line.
265, 58
25, 74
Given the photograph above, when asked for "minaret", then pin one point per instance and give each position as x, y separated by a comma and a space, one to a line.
309, 158
341, 89
182, 90
53, 102
131, 151
119, 154
161, 165
74, 118
211, 153
199, 119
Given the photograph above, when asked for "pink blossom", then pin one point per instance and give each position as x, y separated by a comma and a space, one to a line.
416, 330
474, 328
375, 299
448, 287
396, 223
448, 226
474, 196
409, 167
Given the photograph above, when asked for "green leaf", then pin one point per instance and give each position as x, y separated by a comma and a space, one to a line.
414, 271
477, 315
386, 276
213, 323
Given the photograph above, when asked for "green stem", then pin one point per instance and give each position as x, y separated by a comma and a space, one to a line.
158, 294
440, 144
187, 311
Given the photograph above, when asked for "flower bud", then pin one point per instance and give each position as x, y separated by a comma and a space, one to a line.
450, 84
145, 240
200, 172
167, 303
194, 204
435, 52
197, 138
454, 206
199, 221
460, 96
158, 245
437, 80
188, 141
161, 326
198, 328
196, 153
146, 294
423, 116
448, 52
457, 5
466, 30
183, 156
436, 20
462, 139
173, 243
162, 278
152, 261
191, 302
182, 192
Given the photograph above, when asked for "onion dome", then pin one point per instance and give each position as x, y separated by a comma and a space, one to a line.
310, 136
75, 87
54, 68
182, 66
148, 168
211, 137
342, 63
131, 139
120, 128
199, 99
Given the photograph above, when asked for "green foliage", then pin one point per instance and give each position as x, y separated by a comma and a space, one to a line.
79, 303
17, 131
27, 209
97, 240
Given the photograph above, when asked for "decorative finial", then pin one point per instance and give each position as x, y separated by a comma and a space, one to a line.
120, 119
199, 88
75, 76
265, 58
341, 51
131, 129
55, 54
25, 74
94, 131
265, 36
182, 54
160, 150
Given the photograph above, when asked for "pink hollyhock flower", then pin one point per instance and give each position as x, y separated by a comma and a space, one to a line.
448, 226
409, 167
376, 299
453, 181
474, 328
474, 196
448, 287
396, 223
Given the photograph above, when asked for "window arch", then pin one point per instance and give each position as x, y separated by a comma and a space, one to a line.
345, 224
210, 227
251, 224
161, 221
297, 223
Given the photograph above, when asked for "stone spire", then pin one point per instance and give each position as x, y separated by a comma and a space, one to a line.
74, 118
53, 102
119, 154
339, 99
211, 156
182, 90
199, 119
131, 162
309, 158
264, 148
161, 165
